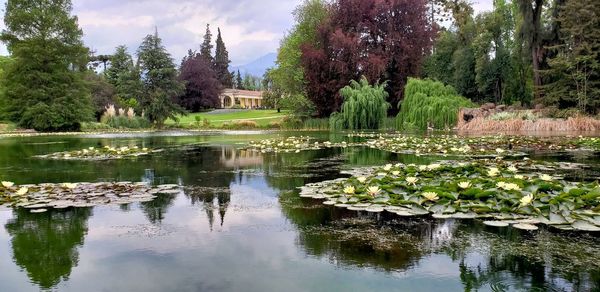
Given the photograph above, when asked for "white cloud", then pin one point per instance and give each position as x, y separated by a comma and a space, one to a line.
250, 29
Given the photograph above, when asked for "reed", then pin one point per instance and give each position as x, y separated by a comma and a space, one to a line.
575, 124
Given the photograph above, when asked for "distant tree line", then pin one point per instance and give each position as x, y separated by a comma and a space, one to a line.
50, 81
538, 52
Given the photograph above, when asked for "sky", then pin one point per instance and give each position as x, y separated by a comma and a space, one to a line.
250, 28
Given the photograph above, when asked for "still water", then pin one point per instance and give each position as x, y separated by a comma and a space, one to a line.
239, 225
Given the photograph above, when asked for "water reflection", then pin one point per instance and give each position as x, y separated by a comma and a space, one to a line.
265, 228
45, 245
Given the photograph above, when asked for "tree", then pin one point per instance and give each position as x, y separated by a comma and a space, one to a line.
124, 75
222, 63
44, 85
364, 106
251, 82
160, 84
271, 94
103, 93
289, 73
206, 46
239, 83
202, 87
382, 40
576, 64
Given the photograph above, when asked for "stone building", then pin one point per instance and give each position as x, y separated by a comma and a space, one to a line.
245, 98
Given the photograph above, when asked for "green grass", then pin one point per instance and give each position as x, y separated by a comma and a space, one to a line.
7, 126
261, 117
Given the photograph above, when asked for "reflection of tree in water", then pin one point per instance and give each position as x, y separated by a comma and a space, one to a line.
211, 199
540, 261
156, 209
488, 258
45, 244
287, 171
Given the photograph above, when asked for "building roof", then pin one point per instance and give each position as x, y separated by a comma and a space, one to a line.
241, 93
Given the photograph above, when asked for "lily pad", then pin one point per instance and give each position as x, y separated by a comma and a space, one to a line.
525, 226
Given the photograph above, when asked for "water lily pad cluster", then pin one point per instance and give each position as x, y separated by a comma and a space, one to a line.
500, 192
41, 197
104, 153
292, 145
467, 146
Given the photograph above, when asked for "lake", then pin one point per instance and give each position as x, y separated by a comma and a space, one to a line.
239, 225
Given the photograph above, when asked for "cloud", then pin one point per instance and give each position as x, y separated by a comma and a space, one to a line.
250, 29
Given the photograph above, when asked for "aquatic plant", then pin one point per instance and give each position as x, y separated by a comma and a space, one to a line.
429, 103
104, 153
502, 192
41, 197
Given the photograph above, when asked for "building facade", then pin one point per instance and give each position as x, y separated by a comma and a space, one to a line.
244, 98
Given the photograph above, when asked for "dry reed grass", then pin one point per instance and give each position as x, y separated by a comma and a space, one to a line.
575, 124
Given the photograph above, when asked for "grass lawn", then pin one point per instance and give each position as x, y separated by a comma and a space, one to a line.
261, 117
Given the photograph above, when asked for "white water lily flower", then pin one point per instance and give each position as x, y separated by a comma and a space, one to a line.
7, 184
69, 185
349, 190
361, 179
493, 171
526, 200
144, 149
512, 187
545, 177
387, 167
373, 190
512, 168
22, 191
412, 180
422, 167
398, 165
464, 184
430, 196
434, 166
381, 174
91, 148
500, 184
518, 176
500, 151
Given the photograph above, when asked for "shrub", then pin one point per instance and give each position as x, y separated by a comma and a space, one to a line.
240, 125
316, 124
364, 106
274, 125
292, 122
430, 103
512, 115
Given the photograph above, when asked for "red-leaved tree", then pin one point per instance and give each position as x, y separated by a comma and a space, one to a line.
202, 88
379, 39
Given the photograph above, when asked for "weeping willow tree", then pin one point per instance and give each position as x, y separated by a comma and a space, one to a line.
364, 106
430, 103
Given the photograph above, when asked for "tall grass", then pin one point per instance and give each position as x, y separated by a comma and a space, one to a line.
576, 124
316, 124
429, 103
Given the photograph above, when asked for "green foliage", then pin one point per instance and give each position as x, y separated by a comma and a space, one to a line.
429, 103
123, 122
44, 85
160, 84
364, 107
289, 75
222, 63
299, 105
576, 63
103, 93
124, 75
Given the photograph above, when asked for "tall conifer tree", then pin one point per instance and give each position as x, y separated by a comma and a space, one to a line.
222, 62
206, 46
44, 85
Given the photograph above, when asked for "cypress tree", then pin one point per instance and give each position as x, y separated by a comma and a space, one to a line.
238, 81
222, 62
206, 47
44, 84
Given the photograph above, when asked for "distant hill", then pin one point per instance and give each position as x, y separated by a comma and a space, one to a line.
257, 67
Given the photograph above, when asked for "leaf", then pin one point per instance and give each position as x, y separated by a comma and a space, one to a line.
584, 226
